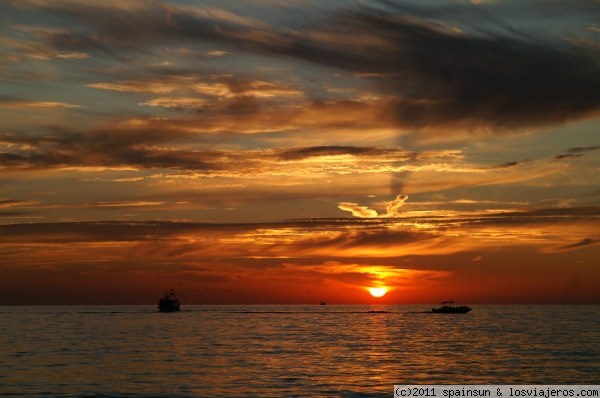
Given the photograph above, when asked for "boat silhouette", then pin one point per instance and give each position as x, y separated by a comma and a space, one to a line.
169, 303
448, 307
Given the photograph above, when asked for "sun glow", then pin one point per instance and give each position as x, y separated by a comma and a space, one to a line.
378, 291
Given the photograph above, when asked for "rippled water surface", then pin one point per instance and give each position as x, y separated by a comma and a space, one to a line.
280, 351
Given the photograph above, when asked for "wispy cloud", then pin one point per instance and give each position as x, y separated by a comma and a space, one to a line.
16, 103
10, 203
156, 145
357, 210
573, 153
540, 227
444, 81
168, 102
218, 86
392, 208
582, 243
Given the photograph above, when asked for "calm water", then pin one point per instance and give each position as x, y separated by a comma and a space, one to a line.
281, 351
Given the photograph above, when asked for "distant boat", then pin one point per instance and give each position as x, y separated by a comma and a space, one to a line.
169, 303
322, 303
448, 307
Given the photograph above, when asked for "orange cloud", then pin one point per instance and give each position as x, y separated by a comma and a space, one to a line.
333, 259
392, 208
223, 86
21, 104
176, 102
357, 210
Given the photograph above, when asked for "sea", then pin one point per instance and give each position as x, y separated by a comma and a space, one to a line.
289, 351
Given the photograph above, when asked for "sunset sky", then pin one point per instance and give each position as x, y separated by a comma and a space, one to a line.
264, 151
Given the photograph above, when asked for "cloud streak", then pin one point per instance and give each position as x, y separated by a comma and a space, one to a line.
17, 103
582, 243
276, 238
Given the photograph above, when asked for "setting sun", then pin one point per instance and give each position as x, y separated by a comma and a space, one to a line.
378, 291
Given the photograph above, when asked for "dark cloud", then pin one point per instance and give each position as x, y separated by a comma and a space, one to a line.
137, 147
508, 164
574, 153
332, 150
583, 149
133, 28
511, 164
159, 240
479, 13
346, 232
492, 77
571, 153
11, 203
151, 146
567, 156
540, 216
582, 243
13, 208
497, 81
365, 238
105, 231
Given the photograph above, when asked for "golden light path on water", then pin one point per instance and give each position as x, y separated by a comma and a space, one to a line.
281, 351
